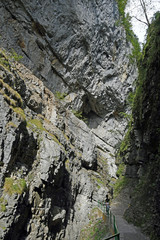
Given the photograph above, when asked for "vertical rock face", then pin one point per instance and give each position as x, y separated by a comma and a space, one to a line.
76, 48
48, 160
144, 142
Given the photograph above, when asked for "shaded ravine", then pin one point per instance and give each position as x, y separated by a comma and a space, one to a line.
127, 231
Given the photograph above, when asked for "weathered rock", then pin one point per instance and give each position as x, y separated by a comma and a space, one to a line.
142, 156
55, 153
75, 48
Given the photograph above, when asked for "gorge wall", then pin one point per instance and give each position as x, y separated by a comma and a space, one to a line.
54, 166
142, 142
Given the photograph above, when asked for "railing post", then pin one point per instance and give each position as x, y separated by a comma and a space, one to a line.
110, 218
112, 221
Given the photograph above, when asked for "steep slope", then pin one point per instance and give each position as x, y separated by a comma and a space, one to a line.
55, 167
142, 144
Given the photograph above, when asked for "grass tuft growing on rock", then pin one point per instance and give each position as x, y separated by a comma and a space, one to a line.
20, 113
14, 186
3, 204
96, 229
60, 95
37, 126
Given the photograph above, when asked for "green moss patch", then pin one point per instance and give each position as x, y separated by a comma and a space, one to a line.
96, 229
20, 113
3, 204
14, 186
37, 126
120, 184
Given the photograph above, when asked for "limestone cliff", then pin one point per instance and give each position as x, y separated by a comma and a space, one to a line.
78, 48
142, 143
53, 153
54, 166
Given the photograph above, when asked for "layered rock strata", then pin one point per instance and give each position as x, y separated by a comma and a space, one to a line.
77, 48
60, 165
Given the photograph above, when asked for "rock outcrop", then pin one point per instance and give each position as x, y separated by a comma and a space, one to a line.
56, 166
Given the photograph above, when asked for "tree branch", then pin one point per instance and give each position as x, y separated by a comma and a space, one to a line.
142, 2
139, 20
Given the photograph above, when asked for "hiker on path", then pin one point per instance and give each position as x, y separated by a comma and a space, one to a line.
107, 204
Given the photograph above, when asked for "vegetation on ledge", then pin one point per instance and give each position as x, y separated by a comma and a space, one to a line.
14, 186
96, 229
125, 20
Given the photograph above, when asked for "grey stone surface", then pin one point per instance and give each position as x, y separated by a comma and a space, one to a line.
57, 156
72, 47
75, 47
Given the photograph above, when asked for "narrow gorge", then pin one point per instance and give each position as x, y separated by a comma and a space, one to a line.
74, 121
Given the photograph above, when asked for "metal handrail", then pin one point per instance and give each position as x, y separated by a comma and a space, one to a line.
112, 221
113, 236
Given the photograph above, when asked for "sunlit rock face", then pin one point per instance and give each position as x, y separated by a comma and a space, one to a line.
77, 48
74, 46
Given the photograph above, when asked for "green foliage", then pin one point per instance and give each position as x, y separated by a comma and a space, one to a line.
4, 59
14, 186
125, 144
11, 96
80, 116
98, 181
130, 99
3, 204
3, 207
35, 124
125, 20
121, 169
96, 229
148, 65
11, 124
126, 115
20, 113
137, 104
121, 183
15, 56
144, 209
10, 101
152, 46
60, 95
54, 138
